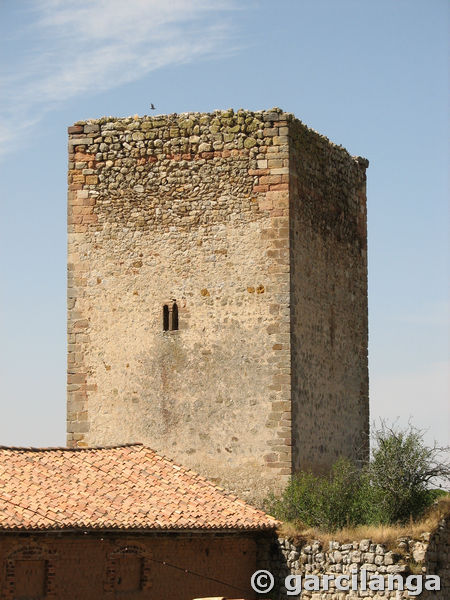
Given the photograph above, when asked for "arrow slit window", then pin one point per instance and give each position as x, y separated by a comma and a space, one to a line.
170, 317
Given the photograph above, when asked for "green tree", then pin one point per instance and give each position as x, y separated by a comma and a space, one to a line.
400, 474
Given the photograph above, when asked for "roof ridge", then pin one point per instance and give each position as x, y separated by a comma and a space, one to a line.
68, 448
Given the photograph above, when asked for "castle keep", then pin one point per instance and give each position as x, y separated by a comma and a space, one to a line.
218, 293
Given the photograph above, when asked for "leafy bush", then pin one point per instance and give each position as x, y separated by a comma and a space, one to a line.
393, 488
327, 502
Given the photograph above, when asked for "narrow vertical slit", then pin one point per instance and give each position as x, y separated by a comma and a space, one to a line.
174, 316
165, 317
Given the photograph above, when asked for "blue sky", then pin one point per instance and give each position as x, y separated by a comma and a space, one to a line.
372, 76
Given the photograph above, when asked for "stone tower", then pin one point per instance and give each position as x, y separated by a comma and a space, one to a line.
218, 293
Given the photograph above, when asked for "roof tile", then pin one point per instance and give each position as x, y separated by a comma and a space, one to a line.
121, 487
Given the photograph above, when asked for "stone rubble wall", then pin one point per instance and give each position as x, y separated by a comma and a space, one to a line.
428, 555
435, 555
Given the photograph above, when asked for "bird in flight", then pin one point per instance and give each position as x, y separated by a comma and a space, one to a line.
152, 106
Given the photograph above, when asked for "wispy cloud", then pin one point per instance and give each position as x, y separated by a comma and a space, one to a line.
80, 46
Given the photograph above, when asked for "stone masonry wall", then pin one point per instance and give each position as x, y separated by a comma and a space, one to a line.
329, 327
186, 207
427, 555
434, 554
255, 226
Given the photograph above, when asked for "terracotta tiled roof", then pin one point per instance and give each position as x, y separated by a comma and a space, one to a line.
122, 487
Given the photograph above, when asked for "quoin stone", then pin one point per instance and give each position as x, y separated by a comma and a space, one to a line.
217, 303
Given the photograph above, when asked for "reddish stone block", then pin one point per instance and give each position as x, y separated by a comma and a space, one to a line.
260, 188
84, 157
75, 129
259, 172
270, 179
